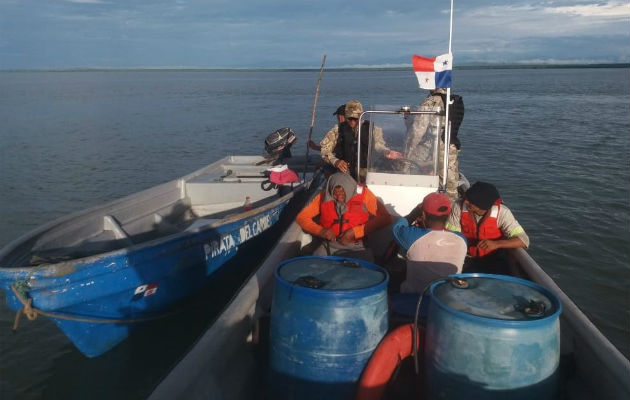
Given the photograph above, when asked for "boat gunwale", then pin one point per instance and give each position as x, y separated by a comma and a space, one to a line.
618, 365
250, 298
9, 247
254, 295
179, 182
86, 262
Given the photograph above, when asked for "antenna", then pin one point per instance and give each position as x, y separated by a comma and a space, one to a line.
447, 128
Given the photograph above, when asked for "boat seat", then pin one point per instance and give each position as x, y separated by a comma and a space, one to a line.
230, 174
110, 223
226, 193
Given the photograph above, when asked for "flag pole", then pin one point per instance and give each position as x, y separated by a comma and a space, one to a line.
450, 35
447, 127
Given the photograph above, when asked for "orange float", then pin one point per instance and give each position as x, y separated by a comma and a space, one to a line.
394, 348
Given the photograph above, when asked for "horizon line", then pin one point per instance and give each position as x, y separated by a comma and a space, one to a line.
341, 69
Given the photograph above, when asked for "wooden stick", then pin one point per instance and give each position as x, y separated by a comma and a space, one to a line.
310, 132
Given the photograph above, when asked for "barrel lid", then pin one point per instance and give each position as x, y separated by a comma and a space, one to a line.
495, 296
331, 273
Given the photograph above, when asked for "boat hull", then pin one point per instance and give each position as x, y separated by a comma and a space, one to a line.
97, 300
97, 297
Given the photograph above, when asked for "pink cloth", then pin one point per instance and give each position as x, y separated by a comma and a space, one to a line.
283, 177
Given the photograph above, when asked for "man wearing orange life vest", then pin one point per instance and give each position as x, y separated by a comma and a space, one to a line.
347, 213
489, 227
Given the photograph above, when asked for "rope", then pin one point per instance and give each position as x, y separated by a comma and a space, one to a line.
32, 313
327, 247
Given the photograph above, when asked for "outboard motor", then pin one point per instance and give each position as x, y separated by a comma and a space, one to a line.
278, 143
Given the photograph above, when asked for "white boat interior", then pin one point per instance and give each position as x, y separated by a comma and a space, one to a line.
229, 361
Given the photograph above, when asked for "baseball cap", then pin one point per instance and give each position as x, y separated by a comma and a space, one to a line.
353, 109
436, 204
341, 110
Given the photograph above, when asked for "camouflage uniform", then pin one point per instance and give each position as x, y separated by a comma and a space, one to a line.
329, 142
419, 145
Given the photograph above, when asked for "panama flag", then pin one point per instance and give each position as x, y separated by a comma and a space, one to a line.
433, 73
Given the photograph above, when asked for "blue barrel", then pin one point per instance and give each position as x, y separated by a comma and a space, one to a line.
490, 337
328, 316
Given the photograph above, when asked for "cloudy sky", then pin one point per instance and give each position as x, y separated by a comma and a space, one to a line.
36, 34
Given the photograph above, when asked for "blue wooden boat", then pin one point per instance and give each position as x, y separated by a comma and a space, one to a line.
98, 273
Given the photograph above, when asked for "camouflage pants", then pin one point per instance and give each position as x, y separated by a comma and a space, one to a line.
423, 152
452, 178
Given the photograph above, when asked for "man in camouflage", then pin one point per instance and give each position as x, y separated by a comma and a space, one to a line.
336, 154
331, 135
419, 144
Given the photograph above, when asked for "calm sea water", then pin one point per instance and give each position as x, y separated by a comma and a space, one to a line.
554, 141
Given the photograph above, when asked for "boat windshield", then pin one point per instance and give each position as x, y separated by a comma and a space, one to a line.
403, 142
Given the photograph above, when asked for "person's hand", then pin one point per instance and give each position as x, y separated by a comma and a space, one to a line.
342, 166
414, 215
347, 237
488, 245
328, 234
394, 155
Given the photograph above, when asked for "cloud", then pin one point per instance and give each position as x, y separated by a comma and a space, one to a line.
555, 61
520, 27
611, 10
545, 17
286, 33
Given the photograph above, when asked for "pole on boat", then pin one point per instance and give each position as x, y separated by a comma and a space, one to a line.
447, 128
310, 131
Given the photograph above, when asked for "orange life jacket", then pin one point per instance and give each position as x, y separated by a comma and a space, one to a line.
487, 228
356, 214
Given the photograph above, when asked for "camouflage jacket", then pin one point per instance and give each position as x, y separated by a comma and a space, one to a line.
329, 142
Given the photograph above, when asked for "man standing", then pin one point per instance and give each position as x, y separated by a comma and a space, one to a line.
342, 150
330, 138
489, 228
419, 145
432, 251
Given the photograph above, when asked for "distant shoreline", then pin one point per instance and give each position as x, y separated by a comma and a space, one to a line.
333, 69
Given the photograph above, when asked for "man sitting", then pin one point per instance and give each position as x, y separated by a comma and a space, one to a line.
489, 228
433, 252
347, 213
